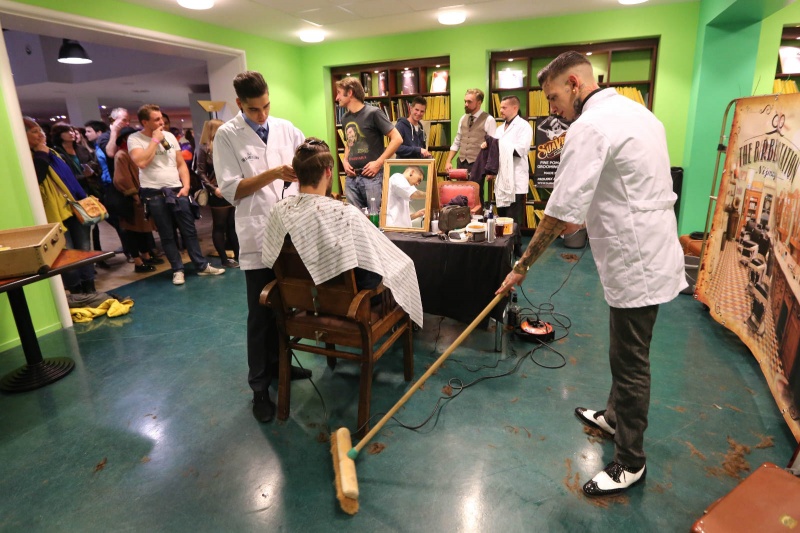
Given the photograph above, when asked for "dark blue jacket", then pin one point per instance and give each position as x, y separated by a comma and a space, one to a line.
412, 143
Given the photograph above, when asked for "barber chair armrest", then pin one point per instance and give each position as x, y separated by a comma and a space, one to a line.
360, 306
268, 294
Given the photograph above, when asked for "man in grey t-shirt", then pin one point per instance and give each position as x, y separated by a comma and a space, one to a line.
364, 153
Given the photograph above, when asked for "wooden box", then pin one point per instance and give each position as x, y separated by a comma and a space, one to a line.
31, 250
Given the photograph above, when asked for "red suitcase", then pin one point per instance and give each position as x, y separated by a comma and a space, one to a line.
767, 500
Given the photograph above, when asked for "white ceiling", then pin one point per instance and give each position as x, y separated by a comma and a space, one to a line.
281, 20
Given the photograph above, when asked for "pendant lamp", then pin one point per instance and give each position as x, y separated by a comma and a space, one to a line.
72, 53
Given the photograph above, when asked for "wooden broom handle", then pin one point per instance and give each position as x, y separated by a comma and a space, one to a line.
358, 447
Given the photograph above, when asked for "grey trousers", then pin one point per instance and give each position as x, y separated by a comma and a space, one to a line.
629, 400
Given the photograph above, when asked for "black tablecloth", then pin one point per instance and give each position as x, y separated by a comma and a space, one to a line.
457, 280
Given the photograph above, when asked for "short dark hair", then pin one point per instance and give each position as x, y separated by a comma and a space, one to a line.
311, 159
165, 117
56, 131
561, 64
352, 85
250, 84
97, 125
419, 100
144, 112
512, 98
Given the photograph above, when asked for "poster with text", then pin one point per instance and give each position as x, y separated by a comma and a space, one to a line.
548, 138
749, 272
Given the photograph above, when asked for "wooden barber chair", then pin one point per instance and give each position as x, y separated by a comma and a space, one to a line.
333, 313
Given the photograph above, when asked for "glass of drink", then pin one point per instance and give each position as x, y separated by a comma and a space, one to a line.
498, 229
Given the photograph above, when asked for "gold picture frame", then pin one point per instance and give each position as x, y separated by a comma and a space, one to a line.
402, 210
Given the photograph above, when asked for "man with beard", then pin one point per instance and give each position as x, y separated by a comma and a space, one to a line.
472, 128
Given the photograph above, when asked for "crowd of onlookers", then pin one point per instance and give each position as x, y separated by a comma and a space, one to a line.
73, 162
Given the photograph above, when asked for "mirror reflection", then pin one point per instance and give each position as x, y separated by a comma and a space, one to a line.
406, 201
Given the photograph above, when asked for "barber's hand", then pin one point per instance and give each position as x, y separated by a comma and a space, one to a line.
448, 166
183, 192
348, 169
372, 168
283, 172
512, 279
418, 214
424, 153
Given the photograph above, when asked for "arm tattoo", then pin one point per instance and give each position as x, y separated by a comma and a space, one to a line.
546, 232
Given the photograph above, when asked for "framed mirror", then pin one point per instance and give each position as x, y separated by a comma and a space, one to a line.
406, 199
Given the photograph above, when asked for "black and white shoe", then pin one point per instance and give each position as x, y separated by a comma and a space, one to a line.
613, 479
594, 419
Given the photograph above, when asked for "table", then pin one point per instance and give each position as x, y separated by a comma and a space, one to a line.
38, 371
456, 279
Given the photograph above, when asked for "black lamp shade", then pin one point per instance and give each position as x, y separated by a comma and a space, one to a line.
72, 53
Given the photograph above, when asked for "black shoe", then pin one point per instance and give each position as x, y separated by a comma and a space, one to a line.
297, 373
594, 419
119, 250
263, 408
614, 479
153, 261
143, 268
103, 265
87, 287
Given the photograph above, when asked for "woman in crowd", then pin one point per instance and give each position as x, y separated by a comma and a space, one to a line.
82, 161
58, 186
138, 229
222, 212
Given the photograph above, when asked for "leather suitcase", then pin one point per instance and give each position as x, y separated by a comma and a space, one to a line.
767, 500
27, 251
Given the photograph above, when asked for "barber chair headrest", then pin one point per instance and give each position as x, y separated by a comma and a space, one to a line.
458, 174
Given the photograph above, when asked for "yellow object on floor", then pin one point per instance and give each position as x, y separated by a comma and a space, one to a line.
111, 307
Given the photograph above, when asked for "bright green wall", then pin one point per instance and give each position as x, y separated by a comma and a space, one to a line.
469, 48
279, 62
767, 57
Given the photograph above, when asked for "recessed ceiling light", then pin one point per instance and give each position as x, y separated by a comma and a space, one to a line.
631, 2
452, 17
510, 60
312, 36
588, 53
196, 4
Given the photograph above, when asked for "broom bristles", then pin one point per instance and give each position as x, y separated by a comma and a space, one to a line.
348, 505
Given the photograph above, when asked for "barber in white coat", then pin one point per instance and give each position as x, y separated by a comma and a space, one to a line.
252, 158
515, 135
614, 174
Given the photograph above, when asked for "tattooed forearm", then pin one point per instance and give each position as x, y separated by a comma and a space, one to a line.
546, 232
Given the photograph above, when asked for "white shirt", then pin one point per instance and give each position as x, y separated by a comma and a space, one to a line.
163, 169
518, 135
240, 153
489, 126
614, 174
398, 214
332, 237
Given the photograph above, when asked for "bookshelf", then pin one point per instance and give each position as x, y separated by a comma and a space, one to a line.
627, 66
391, 86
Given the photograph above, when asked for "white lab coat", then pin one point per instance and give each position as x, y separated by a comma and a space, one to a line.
518, 135
614, 175
239, 153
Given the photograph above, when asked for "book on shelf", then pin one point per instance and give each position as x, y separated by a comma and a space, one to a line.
784, 87
509, 78
495, 105
409, 82
631, 92
538, 106
383, 83
366, 82
439, 81
340, 112
340, 131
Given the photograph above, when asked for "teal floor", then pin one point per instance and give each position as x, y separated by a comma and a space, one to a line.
153, 430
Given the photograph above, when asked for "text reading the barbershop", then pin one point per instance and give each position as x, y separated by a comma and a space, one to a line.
771, 150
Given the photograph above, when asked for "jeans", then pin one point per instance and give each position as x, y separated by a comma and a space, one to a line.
360, 189
78, 238
166, 217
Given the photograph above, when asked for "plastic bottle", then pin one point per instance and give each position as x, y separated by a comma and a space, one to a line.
373, 213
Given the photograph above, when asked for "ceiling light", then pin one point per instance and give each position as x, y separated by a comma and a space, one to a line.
588, 53
196, 4
631, 2
450, 18
312, 36
72, 53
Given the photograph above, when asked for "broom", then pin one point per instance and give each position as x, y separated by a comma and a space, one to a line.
344, 467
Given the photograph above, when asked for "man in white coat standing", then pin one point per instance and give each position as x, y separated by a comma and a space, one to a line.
614, 175
252, 159
515, 135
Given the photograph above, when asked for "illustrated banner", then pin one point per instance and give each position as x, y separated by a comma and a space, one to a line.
749, 273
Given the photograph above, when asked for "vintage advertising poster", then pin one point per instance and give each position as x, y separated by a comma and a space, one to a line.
548, 138
749, 272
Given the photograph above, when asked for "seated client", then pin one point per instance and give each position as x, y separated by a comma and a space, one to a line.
332, 237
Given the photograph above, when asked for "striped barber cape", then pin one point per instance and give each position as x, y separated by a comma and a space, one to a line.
332, 237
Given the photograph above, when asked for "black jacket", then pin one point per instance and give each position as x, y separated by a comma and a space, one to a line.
412, 143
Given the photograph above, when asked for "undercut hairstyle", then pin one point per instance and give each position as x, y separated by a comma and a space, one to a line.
250, 84
144, 112
419, 100
416, 168
560, 65
311, 159
96, 125
511, 98
353, 86
116, 112
477, 93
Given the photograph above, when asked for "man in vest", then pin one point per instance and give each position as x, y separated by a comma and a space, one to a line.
472, 127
